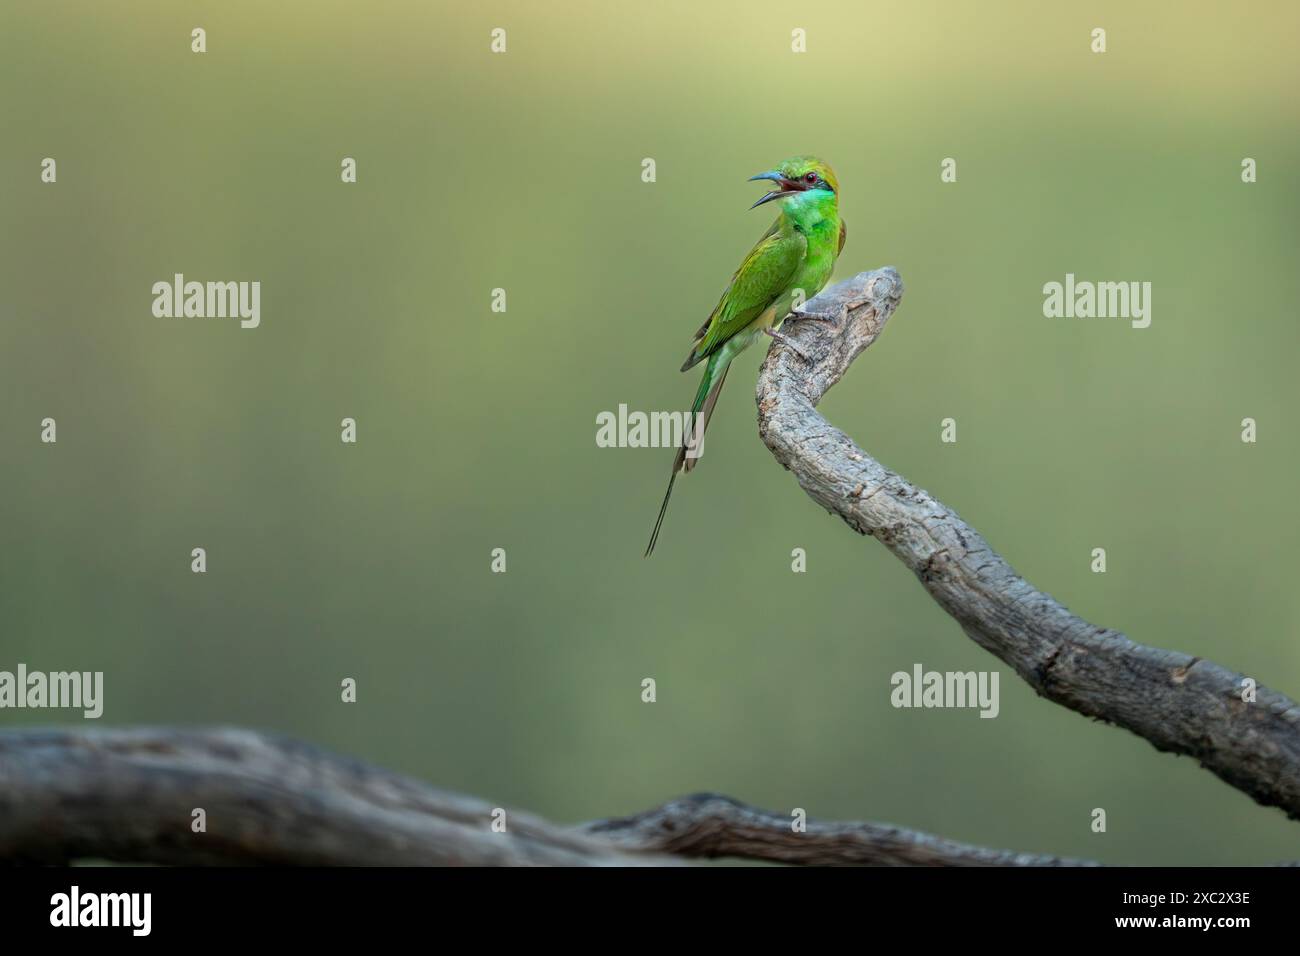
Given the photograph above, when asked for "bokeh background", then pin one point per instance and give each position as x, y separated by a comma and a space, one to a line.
477, 430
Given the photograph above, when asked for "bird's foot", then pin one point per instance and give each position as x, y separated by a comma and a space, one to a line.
785, 340
831, 317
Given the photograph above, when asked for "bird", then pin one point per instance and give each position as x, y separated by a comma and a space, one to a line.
793, 259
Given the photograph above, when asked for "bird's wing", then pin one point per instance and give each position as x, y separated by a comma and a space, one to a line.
760, 280
844, 237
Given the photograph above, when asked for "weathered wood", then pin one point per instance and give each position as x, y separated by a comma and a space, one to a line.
711, 825
1180, 703
129, 795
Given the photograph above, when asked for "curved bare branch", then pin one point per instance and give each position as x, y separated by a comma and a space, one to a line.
1179, 703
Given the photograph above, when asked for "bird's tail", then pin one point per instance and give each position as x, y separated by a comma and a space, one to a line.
701, 411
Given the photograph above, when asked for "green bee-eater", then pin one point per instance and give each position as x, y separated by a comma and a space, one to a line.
796, 256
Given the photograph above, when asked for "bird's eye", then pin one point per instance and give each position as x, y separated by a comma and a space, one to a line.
811, 177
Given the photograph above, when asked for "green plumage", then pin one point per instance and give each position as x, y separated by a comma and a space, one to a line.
795, 257
766, 272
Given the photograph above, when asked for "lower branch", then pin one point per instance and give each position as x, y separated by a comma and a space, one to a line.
711, 825
130, 796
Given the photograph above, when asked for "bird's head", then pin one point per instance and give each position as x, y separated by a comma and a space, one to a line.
798, 176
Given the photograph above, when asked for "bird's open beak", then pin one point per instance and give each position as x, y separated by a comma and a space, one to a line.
786, 187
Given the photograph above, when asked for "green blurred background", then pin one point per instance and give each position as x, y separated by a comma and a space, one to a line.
477, 430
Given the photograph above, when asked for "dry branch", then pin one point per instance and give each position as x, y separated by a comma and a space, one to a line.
1179, 703
711, 825
129, 796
